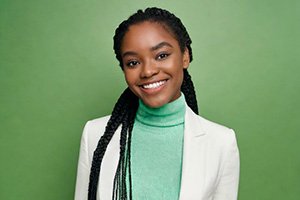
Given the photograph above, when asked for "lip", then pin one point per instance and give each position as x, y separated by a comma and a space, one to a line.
153, 90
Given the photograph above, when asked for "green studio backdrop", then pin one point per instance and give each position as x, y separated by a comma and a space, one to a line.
58, 70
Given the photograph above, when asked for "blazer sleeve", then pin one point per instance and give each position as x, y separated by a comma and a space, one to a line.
83, 169
227, 188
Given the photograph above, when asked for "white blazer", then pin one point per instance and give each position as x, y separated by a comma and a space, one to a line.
210, 167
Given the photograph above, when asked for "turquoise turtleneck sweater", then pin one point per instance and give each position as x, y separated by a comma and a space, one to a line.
156, 151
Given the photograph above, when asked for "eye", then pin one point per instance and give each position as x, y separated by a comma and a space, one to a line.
132, 63
162, 56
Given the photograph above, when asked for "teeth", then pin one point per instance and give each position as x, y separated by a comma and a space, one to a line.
154, 85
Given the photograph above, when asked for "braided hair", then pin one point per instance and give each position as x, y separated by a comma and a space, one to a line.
124, 111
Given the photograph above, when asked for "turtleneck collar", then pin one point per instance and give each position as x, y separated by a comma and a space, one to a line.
170, 114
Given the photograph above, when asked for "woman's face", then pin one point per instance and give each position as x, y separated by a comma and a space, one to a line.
153, 63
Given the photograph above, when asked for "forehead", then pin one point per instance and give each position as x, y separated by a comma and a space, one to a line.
147, 34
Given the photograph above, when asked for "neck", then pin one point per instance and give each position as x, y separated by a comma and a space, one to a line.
170, 114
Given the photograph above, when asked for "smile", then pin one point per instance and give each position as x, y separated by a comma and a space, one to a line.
153, 85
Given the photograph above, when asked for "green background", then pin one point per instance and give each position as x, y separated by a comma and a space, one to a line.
57, 70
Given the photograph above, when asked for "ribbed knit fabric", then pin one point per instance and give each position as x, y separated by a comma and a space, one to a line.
156, 151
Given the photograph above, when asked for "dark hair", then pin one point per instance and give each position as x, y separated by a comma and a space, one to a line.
125, 109
168, 20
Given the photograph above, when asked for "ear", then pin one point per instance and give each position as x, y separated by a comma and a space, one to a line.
186, 59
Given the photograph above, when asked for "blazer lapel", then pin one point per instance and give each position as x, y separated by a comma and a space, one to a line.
192, 178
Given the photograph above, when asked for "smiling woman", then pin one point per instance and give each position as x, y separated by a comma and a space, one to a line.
155, 145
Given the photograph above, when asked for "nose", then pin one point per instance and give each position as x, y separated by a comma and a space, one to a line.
149, 69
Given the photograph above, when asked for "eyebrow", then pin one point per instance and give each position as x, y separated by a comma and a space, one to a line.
160, 45
154, 48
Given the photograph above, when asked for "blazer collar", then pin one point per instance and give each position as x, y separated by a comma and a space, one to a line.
193, 124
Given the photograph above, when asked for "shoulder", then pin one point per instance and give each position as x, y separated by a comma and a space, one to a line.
98, 121
216, 130
216, 134
92, 132
220, 137
221, 140
95, 128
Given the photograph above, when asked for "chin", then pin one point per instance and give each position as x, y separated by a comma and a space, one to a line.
155, 103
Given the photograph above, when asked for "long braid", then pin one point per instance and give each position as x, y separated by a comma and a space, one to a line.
117, 118
188, 90
125, 109
119, 173
120, 190
130, 128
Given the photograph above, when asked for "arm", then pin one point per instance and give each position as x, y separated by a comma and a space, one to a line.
83, 169
227, 188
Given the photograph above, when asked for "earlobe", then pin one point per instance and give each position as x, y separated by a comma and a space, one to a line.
186, 59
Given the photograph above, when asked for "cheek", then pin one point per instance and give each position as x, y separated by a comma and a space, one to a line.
178, 76
175, 64
129, 77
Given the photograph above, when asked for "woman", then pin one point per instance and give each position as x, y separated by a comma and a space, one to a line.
154, 145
